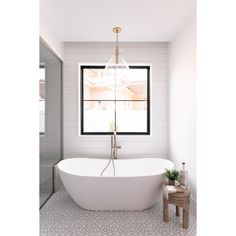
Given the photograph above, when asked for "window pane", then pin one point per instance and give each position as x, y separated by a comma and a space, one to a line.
42, 99
98, 116
97, 88
131, 116
137, 87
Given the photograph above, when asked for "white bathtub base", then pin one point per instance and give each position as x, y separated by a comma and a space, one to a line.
114, 193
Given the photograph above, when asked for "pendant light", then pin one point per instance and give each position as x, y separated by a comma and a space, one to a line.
117, 70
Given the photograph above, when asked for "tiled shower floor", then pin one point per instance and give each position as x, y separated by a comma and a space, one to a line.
61, 216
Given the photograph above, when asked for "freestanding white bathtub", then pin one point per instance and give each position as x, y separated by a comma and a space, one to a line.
136, 186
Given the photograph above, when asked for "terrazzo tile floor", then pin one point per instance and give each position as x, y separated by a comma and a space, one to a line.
61, 216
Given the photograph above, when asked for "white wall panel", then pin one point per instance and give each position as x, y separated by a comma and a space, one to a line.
182, 100
154, 145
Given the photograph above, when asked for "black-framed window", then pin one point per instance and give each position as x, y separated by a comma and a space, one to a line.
98, 102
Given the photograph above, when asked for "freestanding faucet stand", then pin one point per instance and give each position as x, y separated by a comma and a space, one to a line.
114, 146
113, 156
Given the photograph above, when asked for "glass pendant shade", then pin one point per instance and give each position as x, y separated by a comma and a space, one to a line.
117, 73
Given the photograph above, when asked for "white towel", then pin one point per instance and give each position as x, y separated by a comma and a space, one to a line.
168, 189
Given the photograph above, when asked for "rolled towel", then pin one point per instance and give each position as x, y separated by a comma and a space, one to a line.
171, 189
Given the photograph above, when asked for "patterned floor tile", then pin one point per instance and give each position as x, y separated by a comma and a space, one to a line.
61, 216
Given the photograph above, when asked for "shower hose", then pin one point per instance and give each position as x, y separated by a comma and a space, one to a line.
111, 159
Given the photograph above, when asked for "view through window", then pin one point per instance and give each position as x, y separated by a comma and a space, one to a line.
98, 101
42, 99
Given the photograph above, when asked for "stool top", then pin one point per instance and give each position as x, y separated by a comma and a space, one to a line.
177, 188
176, 191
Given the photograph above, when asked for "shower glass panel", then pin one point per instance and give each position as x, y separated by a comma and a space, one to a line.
50, 81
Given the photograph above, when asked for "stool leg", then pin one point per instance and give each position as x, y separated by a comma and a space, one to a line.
165, 210
185, 218
177, 211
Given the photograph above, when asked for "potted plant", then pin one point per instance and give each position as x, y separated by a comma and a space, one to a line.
172, 176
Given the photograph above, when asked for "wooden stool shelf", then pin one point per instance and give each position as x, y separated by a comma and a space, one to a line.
181, 199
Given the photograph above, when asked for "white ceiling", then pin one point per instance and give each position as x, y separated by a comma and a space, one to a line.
93, 20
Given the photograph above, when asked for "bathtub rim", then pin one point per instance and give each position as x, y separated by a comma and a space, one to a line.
123, 159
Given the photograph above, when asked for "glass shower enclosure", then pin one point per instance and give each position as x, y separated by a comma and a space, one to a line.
50, 118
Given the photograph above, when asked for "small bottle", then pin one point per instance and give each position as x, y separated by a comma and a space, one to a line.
183, 176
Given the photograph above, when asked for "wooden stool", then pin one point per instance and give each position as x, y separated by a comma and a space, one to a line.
180, 199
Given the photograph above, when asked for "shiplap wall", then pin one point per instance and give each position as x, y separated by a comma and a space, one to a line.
154, 145
50, 143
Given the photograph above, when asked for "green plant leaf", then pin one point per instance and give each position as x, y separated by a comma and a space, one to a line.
172, 174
